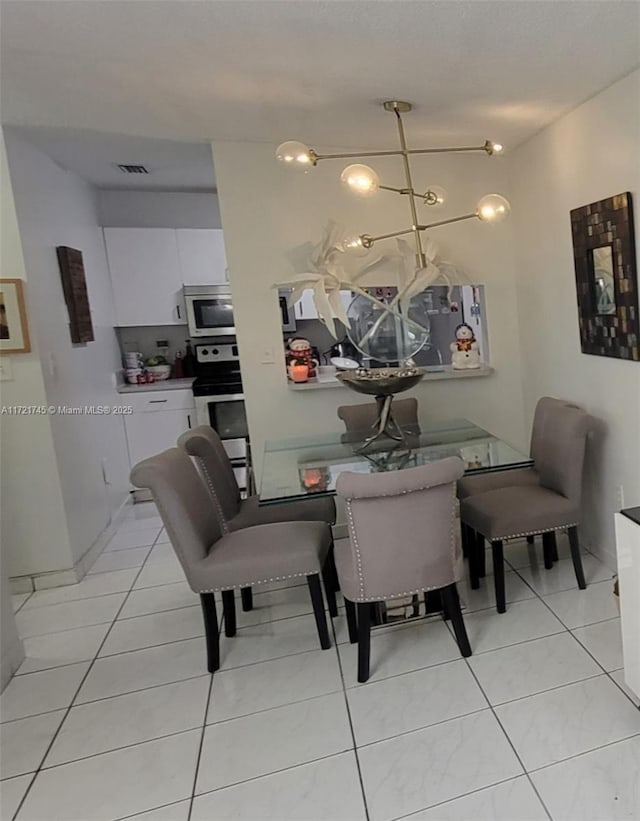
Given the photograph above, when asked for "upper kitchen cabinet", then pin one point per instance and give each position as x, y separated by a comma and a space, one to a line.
144, 264
305, 308
202, 256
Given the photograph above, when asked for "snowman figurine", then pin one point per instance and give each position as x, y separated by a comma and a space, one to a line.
464, 351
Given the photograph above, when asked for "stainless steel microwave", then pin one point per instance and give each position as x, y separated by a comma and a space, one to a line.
287, 312
209, 310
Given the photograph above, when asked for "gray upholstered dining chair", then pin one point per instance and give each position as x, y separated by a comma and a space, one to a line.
214, 561
543, 421
235, 513
402, 542
527, 510
359, 418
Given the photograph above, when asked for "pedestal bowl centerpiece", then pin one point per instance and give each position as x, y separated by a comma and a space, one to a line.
383, 383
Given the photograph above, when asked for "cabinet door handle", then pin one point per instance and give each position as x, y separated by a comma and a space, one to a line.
178, 310
189, 420
157, 401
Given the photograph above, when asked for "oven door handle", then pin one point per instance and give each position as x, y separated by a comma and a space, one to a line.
222, 397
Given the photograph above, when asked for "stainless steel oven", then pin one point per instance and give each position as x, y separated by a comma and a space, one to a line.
219, 400
209, 310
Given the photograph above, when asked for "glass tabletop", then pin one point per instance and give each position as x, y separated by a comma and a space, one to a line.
309, 466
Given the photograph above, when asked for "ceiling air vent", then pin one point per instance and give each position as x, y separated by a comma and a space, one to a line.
133, 169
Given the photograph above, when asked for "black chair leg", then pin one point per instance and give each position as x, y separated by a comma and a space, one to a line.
576, 558
331, 560
229, 609
554, 547
498, 575
246, 595
547, 549
474, 578
468, 537
452, 606
531, 539
208, 602
318, 610
364, 642
482, 555
329, 589
352, 624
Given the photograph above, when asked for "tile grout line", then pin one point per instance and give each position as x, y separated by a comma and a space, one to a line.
353, 735
69, 708
462, 795
201, 745
510, 742
585, 752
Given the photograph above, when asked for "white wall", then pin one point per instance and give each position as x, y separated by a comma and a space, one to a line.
34, 536
289, 209
55, 207
588, 155
158, 209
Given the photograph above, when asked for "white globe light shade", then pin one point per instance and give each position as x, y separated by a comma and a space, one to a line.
354, 247
493, 208
435, 196
360, 179
295, 155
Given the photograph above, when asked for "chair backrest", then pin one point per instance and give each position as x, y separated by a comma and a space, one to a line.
362, 417
204, 444
184, 505
402, 527
543, 422
561, 456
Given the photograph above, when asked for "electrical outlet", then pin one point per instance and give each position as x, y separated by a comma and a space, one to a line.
6, 369
619, 497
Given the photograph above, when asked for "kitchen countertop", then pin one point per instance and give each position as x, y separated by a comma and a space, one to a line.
327, 377
165, 385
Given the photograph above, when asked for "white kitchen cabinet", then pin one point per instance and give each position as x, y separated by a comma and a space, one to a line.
158, 419
145, 276
305, 307
203, 260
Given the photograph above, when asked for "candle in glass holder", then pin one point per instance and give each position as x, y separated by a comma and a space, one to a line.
299, 372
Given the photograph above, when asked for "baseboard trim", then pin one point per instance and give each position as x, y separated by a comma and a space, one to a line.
71, 575
12, 658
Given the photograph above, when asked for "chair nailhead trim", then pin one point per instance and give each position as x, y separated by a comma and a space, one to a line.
536, 532
258, 581
222, 521
398, 595
354, 539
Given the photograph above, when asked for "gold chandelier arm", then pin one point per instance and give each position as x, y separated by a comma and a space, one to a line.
356, 155
397, 190
367, 241
447, 222
447, 150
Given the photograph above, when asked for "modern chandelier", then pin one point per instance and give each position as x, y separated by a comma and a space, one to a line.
364, 181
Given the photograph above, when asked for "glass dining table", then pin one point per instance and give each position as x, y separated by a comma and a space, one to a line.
295, 469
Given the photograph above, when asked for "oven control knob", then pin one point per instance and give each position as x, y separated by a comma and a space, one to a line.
205, 352
215, 351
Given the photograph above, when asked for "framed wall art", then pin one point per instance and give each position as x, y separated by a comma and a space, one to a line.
74, 286
606, 277
14, 330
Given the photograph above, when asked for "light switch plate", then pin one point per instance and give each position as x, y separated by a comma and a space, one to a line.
6, 368
267, 357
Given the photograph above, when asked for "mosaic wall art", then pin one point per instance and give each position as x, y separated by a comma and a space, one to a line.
606, 277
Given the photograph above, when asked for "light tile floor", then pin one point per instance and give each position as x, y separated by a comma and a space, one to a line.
113, 715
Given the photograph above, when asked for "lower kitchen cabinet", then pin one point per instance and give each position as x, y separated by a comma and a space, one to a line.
158, 419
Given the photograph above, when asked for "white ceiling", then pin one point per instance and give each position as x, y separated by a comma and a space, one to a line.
267, 70
94, 155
